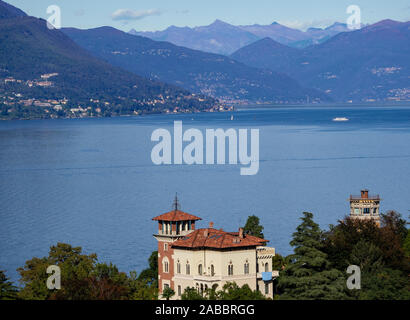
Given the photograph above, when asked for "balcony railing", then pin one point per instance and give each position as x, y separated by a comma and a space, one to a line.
207, 277
174, 233
356, 197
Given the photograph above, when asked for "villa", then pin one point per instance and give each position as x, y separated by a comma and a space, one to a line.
208, 258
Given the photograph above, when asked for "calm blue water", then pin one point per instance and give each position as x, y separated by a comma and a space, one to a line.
91, 182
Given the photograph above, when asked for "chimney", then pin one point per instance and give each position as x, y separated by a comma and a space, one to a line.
206, 233
211, 225
241, 233
365, 194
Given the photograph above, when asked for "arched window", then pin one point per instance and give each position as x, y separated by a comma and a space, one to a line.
230, 269
188, 268
246, 267
200, 269
178, 267
166, 266
212, 270
266, 267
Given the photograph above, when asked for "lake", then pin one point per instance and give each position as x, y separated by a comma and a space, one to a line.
91, 182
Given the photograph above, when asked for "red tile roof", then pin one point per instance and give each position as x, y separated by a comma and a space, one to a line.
217, 239
176, 215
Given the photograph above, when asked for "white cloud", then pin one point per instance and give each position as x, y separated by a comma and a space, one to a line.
128, 14
304, 25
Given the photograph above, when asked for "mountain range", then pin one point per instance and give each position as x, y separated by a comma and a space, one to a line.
105, 71
8, 11
223, 38
39, 65
201, 72
369, 64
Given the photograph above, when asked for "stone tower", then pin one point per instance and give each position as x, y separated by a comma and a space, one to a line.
172, 225
365, 206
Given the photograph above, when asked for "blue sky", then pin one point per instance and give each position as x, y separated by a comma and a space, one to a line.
159, 14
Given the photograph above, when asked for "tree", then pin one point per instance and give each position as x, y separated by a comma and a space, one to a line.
379, 251
190, 293
278, 262
168, 293
150, 275
107, 283
82, 278
340, 240
393, 233
389, 238
394, 221
309, 275
7, 290
75, 269
141, 289
367, 256
406, 245
385, 284
253, 227
231, 291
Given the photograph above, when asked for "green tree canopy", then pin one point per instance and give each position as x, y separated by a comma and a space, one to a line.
7, 290
389, 238
190, 293
231, 291
75, 269
379, 251
384, 284
82, 278
406, 245
141, 289
253, 227
168, 293
150, 275
309, 275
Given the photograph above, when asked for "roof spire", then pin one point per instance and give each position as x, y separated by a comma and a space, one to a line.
176, 206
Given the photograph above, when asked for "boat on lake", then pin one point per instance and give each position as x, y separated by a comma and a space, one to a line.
340, 119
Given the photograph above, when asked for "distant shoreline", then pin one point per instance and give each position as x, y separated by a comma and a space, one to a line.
239, 107
321, 105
